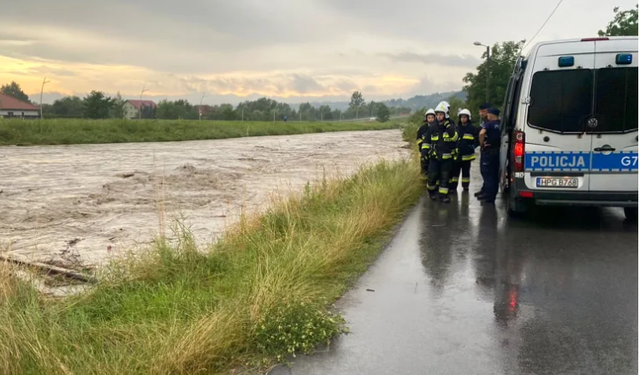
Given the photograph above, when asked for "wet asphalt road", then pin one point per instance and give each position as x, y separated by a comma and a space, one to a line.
462, 289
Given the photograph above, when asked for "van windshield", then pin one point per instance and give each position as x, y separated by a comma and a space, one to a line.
616, 104
561, 100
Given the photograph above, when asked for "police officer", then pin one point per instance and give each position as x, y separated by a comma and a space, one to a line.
423, 148
443, 139
490, 143
467, 140
482, 112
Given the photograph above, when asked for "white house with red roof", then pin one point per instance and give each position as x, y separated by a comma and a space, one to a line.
12, 107
132, 107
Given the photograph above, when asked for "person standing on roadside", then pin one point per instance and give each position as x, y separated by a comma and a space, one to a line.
443, 140
423, 147
482, 112
490, 144
467, 140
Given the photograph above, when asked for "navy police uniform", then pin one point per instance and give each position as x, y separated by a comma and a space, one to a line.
491, 159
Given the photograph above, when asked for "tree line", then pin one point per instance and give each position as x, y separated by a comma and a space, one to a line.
98, 105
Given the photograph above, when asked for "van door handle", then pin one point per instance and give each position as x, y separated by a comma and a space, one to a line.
604, 149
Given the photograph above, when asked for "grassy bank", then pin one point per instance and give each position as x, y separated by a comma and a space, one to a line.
261, 293
81, 131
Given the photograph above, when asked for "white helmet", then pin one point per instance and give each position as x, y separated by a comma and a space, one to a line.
465, 112
443, 107
430, 111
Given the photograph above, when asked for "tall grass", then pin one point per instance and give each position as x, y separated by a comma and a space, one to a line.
260, 294
85, 131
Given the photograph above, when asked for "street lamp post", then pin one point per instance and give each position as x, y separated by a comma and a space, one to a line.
44, 81
200, 108
144, 89
488, 67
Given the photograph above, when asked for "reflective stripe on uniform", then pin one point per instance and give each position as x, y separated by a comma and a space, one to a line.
431, 187
419, 141
446, 156
454, 179
464, 180
443, 190
447, 138
426, 146
469, 137
468, 157
434, 138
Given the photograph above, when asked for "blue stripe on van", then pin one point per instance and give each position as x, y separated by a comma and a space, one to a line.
577, 161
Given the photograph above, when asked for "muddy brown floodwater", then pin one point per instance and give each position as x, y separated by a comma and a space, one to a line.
83, 204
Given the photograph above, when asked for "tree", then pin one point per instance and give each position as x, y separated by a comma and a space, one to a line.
383, 112
13, 89
624, 23
371, 108
147, 111
69, 106
325, 113
357, 100
97, 105
503, 59
117, 111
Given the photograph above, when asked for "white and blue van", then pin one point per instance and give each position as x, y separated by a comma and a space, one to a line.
570, 126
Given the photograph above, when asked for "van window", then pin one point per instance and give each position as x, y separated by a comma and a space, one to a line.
616, 100
561, 100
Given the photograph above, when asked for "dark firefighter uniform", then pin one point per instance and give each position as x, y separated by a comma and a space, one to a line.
466, 153
424, 160
442, 138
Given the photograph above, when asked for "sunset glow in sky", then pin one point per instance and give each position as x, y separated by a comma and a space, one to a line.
298, 50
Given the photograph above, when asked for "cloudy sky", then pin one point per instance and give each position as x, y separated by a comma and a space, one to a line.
293, 49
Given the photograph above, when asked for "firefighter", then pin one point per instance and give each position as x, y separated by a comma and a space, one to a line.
467, 143
423, 147
443, 138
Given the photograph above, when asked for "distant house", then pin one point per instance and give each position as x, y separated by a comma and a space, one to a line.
204, 110
12, 107
132, 108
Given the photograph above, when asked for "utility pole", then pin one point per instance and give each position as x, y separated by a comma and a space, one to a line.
242, 113
44, 81
200, 108
144, 89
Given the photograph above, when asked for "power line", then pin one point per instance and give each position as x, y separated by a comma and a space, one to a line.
543, 25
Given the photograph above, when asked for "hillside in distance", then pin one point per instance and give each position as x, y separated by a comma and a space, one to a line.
416, 102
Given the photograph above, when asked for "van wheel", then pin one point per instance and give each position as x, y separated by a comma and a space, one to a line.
631, 213
516, 209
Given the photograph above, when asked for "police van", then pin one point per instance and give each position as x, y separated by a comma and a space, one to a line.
570, 126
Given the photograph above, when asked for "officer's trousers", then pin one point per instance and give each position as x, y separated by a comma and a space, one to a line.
482, 170
465, 168
491, 172
439, 171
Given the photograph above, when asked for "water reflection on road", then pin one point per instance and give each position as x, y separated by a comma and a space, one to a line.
462, 289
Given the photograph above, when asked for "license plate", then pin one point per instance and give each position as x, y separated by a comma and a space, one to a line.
557, 182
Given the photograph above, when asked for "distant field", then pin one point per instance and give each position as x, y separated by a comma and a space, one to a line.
81, 131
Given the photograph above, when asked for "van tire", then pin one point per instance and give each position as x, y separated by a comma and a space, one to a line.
631, 213
516, 209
